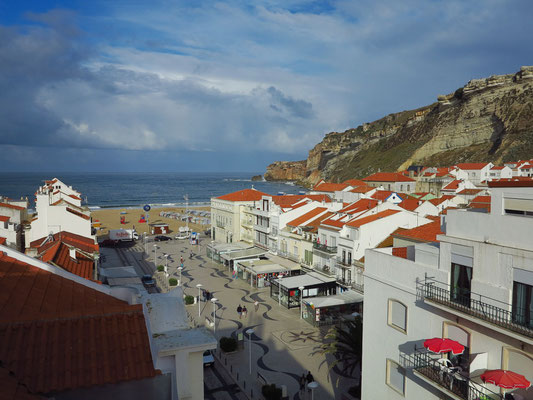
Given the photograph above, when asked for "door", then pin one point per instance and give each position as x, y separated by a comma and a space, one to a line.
461, 284
523, 304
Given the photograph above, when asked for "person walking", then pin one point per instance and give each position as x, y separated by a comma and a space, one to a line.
309, 378
239, 311
256, 305
302, 382
244, 311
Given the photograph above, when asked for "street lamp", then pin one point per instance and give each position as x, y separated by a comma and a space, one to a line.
155, 254
166, 264
144, 241
179, 280
249, 332
214, 300
279, 291
213, 251
301, 301
312, 385
199, 286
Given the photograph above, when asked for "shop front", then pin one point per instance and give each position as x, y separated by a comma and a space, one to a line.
287, 290
259, 273
330, 310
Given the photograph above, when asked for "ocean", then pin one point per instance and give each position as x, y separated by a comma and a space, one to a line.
122, 190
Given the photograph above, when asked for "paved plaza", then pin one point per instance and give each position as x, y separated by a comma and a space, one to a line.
282, 346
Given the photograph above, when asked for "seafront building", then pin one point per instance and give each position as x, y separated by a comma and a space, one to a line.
13, 218
472, 284
59, 208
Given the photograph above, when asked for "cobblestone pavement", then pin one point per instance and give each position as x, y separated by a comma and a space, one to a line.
282, 346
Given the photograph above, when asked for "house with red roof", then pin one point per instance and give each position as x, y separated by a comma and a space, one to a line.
477, 172
13, 214
525, 170
59, 208
66, 337
393, 181
228, 215
456, 186
499, 171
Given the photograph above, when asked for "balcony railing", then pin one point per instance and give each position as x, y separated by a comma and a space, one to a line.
261, 245
290, 256
344, 263
449, 379
325, 248
324, 269
480, 307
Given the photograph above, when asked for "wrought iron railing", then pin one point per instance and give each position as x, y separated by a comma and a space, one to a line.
325, 248
479, 306
449, 379
343, 263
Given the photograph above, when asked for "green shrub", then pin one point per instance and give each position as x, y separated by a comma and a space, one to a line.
228, 344
189, 299
160, 268
173, 282
271, 392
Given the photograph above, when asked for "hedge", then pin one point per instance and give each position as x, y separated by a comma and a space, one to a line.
160, 268
228, 344
189, 299
173, 282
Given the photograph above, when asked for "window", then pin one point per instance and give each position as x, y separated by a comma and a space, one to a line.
349, 257
396, 377
397, 315
523, 304
333, 241
518, 206
461, 284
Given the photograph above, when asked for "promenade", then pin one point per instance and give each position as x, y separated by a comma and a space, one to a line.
282, 346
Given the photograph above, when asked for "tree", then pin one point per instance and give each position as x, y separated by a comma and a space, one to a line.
345, 343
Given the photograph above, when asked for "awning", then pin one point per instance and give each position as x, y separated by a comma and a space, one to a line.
348, 297
254, 252
310, 279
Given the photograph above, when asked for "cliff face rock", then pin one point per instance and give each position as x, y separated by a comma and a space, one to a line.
286, 171
486, 120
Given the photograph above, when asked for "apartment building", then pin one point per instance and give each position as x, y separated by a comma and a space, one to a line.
474, 286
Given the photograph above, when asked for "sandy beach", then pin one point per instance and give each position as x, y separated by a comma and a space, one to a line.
110, 219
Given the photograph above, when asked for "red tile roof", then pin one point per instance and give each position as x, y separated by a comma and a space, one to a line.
330, 187
469, 191
4, 218
77, 213
3, 240
471, 166
75, 197
453, 185
356, 223
362, 189
56, 334
423, 233
243, 195
388, 177
317, 221
439, 200
358, 206
14, 207
335, 223
59, 254
381, 194
410, 204
307, 216
497, 167
12, 389
289, 199
400, 252
526, 166
80, 242
354, 182
512, 182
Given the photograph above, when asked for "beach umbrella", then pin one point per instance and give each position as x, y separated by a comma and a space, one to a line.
505, 379
443, 345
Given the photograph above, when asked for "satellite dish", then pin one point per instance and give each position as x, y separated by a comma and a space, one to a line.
147, 207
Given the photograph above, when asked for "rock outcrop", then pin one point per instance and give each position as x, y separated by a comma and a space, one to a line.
486, 120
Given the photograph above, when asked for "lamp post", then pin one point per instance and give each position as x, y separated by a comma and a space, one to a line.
214, 300
301, 301
166, 264
279, 291
312, 385
179, 280
155, 254
213, 251
144, 241
199, 286
249, 332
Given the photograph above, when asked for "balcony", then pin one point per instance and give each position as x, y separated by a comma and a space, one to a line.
290, 256
325, 270
449, 381
262, 228
220, 225
260, 245
324, 248
493, 313
343, 264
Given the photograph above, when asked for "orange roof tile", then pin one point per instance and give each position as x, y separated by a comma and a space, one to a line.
356, 223
80, 242
453, 185
360, 205
12, 389
471, 166
381, 194
334, 223
77, 213
14, 207
423, 233
75, 197
289, 199
388, 177
307, 216
362, 189
389, 241
354, 182
469, 191
400, 252
329, 187
243, 195
512, 182
410, 204
57, 334
3, 240
496, 167
4, 218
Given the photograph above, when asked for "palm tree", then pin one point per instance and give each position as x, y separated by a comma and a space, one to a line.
345, 344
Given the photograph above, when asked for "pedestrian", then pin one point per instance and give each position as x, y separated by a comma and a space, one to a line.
256, 305
309, 378
239, 311
302, 382
207, 295
181, 260
244, 311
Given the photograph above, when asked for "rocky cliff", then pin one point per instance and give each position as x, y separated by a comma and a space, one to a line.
486, 120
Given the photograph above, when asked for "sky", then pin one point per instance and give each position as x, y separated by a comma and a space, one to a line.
220, 86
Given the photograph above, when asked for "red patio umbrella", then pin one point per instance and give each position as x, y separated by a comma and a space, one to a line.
505, 379
443, 345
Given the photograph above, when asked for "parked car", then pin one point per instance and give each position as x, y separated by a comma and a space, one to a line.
162, 238
209, 360
183, 235
148, 281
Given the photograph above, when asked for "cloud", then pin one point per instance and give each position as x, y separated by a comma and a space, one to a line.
233, 77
